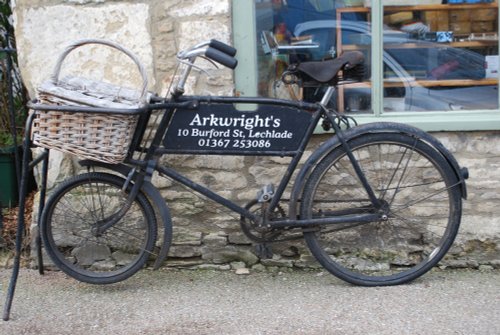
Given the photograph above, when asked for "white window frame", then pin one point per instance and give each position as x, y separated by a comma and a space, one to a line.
245, 40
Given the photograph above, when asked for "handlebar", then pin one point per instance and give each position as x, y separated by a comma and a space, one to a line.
214, 50
221, 57
227, 49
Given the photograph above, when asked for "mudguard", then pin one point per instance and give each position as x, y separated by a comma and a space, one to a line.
369, 128
154, 195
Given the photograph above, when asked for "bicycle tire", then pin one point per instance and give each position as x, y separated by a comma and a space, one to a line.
421, 191
69, 236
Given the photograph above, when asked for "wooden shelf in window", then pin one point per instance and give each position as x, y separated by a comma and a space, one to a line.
411, 82
429, 83
424, 45
418, 8
456, 82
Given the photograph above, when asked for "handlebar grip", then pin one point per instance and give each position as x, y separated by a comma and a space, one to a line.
221, 57
227, 49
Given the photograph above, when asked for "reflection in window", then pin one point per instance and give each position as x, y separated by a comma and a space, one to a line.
293, 31
441, 54
435, 57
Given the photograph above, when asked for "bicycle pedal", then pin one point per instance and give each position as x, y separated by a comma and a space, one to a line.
266, 193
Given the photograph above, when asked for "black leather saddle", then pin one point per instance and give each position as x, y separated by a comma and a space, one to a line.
327, 71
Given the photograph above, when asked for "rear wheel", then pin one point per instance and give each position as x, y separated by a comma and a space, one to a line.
71, 235
419, 193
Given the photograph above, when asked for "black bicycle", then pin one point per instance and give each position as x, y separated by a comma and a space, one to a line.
378, 204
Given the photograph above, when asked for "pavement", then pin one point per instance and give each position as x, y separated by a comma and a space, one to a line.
222, 302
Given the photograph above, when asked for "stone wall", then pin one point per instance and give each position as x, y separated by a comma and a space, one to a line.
206, 235
478, 241
153, 30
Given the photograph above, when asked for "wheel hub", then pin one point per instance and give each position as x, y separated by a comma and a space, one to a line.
384, 210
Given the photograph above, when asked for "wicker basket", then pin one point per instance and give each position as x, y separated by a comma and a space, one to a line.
93, 120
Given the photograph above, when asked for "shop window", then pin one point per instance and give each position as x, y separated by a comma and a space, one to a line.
436, 56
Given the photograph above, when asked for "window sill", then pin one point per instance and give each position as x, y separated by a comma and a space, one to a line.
441, 121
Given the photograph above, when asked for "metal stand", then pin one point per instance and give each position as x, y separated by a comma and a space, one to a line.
26, 167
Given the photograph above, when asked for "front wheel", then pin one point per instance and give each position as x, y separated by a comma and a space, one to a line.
418, 194
72, 222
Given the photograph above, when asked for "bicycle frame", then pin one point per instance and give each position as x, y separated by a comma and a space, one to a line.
174, 136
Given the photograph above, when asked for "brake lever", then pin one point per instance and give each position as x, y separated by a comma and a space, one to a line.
211, 61
188, 63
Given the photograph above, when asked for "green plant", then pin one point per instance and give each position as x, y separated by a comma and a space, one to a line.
10, 80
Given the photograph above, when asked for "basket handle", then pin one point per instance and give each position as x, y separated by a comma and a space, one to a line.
57, 69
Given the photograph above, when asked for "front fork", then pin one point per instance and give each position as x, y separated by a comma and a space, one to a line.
139, 177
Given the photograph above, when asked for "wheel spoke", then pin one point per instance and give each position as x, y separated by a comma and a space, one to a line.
419, 210
69, 234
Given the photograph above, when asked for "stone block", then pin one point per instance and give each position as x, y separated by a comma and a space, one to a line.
229, 254
184, 263
90, 253
184, 251
212, 29
238, 265
186, 236
43, 33
239, 238
277, 261
200, 9
214, 240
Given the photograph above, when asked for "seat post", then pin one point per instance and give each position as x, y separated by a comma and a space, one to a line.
327, 96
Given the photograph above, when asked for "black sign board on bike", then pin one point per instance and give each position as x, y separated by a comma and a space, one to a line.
223, 129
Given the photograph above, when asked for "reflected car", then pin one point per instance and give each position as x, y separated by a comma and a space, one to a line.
426, 60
